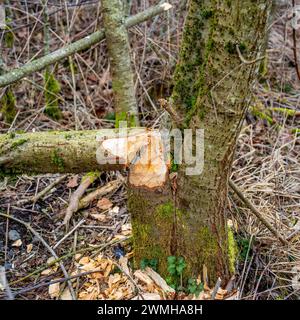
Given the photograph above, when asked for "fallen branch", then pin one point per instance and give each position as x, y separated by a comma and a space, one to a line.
94, 195
86, 181
239, 193
45, 284
139, 149
82, 44
68, 234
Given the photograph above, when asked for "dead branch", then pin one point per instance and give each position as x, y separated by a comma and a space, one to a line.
240, 194
86, 181
100, 192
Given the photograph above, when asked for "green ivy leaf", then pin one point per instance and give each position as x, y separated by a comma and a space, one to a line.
144, 263
171, 260
172, 269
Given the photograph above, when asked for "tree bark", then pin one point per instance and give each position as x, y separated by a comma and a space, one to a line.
212, 86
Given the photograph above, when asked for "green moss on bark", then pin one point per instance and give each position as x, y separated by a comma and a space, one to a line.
232, 250
52, 89
57, 159
8, 106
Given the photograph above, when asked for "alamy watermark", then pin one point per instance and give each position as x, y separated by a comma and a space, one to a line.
144, 146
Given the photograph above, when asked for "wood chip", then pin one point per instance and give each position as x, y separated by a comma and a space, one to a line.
104, 204
54, 290
159, 281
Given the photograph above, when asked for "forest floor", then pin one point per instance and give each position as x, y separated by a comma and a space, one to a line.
96, 251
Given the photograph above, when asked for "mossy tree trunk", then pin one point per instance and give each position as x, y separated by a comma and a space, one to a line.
212, 86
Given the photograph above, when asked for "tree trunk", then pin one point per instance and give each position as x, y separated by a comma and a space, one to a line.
212, 85
120, 62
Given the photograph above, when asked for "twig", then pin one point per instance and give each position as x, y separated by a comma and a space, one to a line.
86, 181
68, 234
239, 193
247, 61
130, 278
43, 284
35, 198
52, 252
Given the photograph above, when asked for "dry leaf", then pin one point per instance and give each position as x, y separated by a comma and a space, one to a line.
29, 248
53, 268
73, 182
17, 243
84, 260
77, 256
104, 204
66, 295
53, 290
123, 261
47, 272
51, 260
99, 216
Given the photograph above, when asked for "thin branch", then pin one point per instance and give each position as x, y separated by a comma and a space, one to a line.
69, 233
248, 61
44, 284
82, 44
239, 193
35, 198
86, 181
